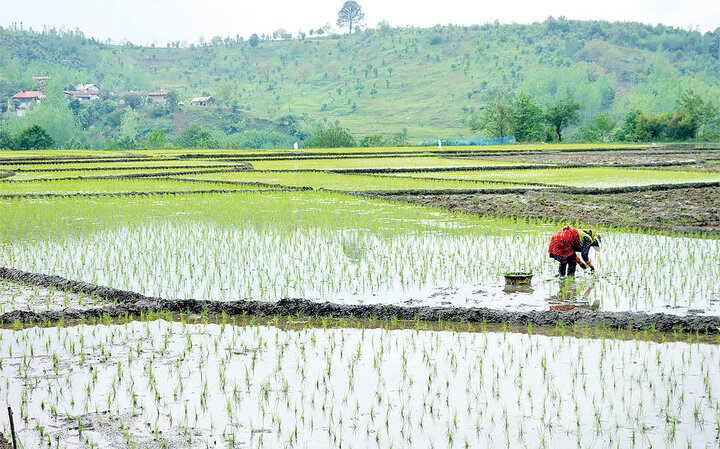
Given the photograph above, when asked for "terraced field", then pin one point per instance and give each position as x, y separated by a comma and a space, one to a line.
216, 298
577, 177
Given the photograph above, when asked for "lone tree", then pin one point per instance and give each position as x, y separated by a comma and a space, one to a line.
350, 14
494, 120
563, 114
34, 138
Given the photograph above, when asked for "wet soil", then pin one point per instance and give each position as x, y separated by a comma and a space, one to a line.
687, 209
4, 443
702, 154
131, 303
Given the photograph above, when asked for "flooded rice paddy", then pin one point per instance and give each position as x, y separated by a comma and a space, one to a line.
172, 384
329, 247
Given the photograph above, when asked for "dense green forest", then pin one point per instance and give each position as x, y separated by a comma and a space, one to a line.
397, 85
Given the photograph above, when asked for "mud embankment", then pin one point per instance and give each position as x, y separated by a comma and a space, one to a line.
131, 303
673, 207
549, 189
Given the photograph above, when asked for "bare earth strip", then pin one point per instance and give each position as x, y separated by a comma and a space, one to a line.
689, 209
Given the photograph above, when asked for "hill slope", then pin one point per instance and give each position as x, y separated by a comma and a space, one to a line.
425, 81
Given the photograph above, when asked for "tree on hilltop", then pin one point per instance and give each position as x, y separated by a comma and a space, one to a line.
350, 14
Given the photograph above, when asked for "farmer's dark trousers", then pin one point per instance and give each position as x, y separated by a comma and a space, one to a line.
566, 263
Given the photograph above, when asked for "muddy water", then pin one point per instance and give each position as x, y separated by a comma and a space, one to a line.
346, 250
155, 383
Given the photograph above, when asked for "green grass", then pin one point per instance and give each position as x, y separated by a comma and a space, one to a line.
578, 177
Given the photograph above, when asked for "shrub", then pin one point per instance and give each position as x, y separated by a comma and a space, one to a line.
156, 139
194, 136
375, 140
333, 137
260, 138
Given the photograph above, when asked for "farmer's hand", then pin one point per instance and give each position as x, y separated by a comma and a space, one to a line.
582, 265
591, 267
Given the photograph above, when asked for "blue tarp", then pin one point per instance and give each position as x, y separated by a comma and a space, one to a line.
487, 141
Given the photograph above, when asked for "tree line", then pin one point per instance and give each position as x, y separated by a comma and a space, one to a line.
521, 116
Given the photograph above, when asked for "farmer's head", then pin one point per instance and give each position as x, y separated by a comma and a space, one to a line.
595, 237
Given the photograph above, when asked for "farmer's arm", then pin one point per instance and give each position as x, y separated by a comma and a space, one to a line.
587, 243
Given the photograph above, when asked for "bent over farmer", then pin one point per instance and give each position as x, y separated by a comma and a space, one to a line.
566, 242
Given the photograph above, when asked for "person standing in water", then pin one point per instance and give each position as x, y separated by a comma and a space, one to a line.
568, 241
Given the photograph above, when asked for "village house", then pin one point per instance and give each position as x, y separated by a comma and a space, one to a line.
159, 96
84, 96
87, 88
84, 93
202, 101
21, 101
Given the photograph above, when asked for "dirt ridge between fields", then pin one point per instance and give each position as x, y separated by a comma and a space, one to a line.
132, 303
550, 188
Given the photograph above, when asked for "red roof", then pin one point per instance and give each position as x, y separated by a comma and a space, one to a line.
27, 94
160, 92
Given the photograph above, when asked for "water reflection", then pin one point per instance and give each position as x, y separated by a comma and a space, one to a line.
573, 294
518, 289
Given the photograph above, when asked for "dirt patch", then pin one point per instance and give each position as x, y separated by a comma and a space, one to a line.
685, 209
650, 155
4, 443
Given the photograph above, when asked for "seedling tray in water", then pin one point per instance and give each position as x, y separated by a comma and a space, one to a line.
518, 278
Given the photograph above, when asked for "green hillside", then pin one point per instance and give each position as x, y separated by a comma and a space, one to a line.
425, 83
